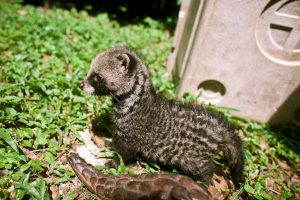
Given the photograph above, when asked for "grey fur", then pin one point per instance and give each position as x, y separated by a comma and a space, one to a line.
186, 136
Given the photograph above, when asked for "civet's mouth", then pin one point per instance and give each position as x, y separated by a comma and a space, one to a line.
92, 90
87, 87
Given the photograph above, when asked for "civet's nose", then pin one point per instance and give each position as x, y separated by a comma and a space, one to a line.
81, 84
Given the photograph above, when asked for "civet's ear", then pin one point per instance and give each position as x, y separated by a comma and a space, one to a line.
124, 61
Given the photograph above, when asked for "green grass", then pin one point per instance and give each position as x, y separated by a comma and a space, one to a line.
43, 56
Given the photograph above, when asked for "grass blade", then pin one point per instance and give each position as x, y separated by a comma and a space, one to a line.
8, 139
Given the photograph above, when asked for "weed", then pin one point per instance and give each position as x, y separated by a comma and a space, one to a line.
44, 55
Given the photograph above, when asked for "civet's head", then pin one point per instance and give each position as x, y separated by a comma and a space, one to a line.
111, 73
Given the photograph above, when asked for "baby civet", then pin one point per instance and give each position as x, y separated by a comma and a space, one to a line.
186, 136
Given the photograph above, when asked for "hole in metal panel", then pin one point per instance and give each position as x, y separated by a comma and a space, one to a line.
211, 91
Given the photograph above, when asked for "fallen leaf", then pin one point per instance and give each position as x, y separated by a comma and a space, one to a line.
254, 174
263, 144
218, 184
295, 179
46, 59
270, 182
54, 190
215, 193
40, 155
137, 168
73, 38
98, 140
283, 164
44, 9
4, 172
65, 189
13, 194
29, 154
22, 12
60, 155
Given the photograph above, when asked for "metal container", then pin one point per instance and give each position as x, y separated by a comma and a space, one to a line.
242, 54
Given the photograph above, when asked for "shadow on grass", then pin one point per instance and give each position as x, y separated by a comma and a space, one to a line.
123, 11
288, 135
101, 125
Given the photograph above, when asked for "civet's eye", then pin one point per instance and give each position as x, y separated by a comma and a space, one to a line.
98, 78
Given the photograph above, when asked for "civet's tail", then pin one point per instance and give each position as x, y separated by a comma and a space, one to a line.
131, 187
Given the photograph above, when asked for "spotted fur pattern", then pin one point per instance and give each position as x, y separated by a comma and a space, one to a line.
186, 136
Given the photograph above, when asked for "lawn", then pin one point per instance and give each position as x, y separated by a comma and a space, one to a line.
44, 53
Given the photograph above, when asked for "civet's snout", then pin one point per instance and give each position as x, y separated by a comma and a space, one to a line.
81, 85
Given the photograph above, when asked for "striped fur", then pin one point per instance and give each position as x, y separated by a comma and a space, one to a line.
186, 136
